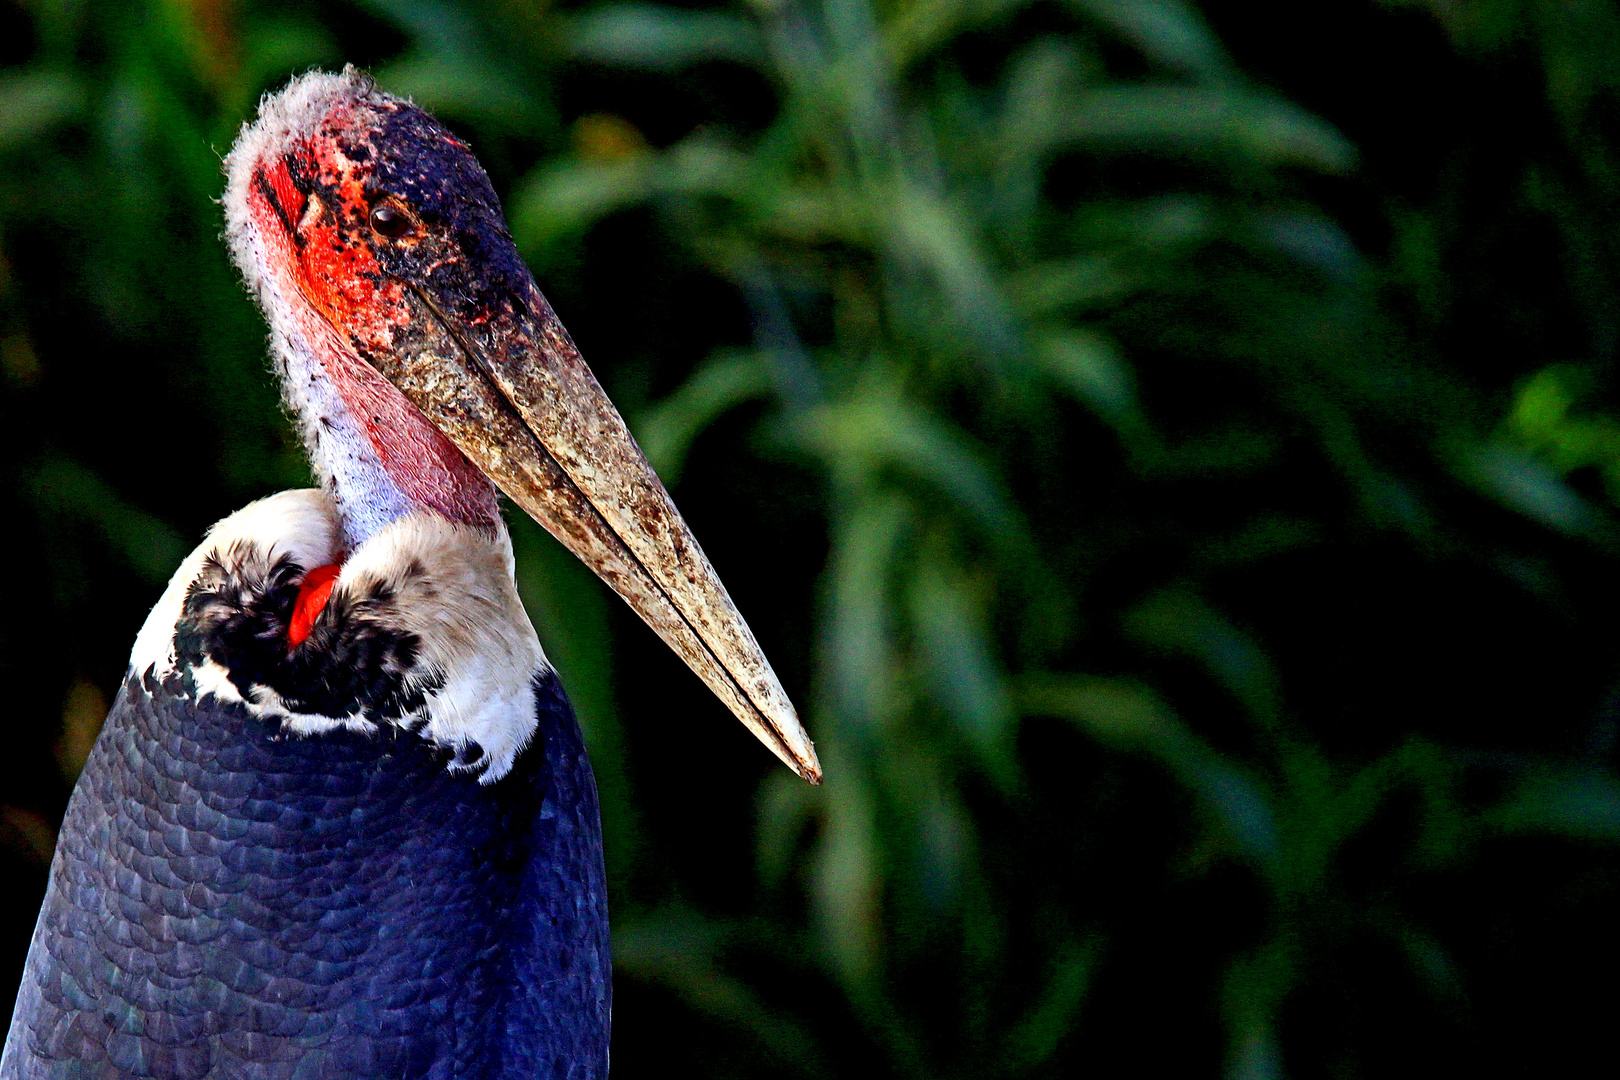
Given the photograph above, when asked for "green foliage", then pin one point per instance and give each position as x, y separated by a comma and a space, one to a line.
1186, 517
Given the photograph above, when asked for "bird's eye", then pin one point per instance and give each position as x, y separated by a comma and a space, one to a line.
389, 222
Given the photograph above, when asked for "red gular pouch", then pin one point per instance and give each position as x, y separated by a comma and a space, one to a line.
312, 597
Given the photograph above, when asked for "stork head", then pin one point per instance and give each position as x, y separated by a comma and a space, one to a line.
426, 369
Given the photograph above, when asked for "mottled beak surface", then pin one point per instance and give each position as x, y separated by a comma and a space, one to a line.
388, 230
512, 393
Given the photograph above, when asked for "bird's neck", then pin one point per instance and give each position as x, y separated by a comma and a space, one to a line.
377, 456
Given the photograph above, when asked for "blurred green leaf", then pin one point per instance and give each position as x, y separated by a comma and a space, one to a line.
1582, 804
1171, 32
1034, 1041
1183, 120
934, 233
875, 432
1088, 366
71, 494
1528, 486
1551, 417
729, 379
1130, 718
1182, 623
566, 197
786, 807
952, 634
915, 29
452, 68
861, 633
662, 38
1046, 289
681, 950
32, 103
848, 879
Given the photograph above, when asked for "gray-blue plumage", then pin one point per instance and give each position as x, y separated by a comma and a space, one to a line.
231, 901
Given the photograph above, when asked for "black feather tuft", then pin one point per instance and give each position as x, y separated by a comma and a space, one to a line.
355, 660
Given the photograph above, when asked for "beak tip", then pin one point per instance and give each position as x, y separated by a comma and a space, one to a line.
810, 770
790, 742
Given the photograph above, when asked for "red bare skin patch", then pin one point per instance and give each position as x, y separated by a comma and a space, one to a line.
312, 597
286, 193
349, 302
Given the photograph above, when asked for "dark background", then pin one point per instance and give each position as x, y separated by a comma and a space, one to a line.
1169, 451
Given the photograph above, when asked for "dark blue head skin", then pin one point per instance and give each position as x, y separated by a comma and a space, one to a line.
463, 254
398, 203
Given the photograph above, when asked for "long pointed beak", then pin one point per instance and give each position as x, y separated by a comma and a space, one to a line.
514, 395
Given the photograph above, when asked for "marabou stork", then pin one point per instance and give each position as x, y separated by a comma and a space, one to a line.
340, 822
